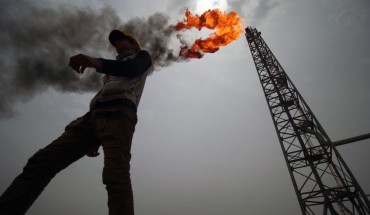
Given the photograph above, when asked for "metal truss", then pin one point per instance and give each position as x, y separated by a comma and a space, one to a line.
322, 181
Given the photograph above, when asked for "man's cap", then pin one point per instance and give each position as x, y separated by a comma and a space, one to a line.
116, 35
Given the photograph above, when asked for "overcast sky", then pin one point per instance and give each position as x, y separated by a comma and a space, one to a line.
205, 141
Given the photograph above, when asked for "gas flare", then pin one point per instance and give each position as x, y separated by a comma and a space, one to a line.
227, 25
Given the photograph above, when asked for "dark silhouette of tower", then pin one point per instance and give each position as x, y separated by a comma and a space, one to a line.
322, 181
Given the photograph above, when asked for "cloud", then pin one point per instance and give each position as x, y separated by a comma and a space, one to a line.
254, 10
204, 5
347, 14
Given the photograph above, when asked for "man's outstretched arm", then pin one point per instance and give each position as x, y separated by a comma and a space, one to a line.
80, 62
127, 68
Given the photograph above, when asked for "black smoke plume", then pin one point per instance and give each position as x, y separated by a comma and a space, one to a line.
36, 44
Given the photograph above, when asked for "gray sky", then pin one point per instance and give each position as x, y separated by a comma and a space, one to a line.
205, 142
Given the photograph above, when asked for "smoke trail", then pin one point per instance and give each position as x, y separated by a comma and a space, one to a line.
154, 34
37, 43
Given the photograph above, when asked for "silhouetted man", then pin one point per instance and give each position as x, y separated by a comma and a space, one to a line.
110, 123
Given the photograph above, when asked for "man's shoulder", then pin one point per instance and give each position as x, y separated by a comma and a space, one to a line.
143, 53
144, 56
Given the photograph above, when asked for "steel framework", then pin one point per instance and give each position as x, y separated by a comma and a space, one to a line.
322, 181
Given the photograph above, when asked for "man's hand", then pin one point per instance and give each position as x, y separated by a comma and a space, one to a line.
80, 62
94, 152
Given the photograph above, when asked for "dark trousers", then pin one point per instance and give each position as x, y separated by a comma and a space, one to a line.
112, 128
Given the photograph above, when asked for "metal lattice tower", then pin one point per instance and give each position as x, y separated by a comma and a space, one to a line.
322, 181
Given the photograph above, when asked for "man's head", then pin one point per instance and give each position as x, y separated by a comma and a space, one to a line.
123, 41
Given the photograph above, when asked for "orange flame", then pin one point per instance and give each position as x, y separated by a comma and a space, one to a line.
227, 25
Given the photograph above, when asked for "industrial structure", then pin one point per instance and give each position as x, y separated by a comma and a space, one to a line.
322, 181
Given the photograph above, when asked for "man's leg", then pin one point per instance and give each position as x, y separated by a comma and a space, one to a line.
115, 131
74, 143
116, 177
